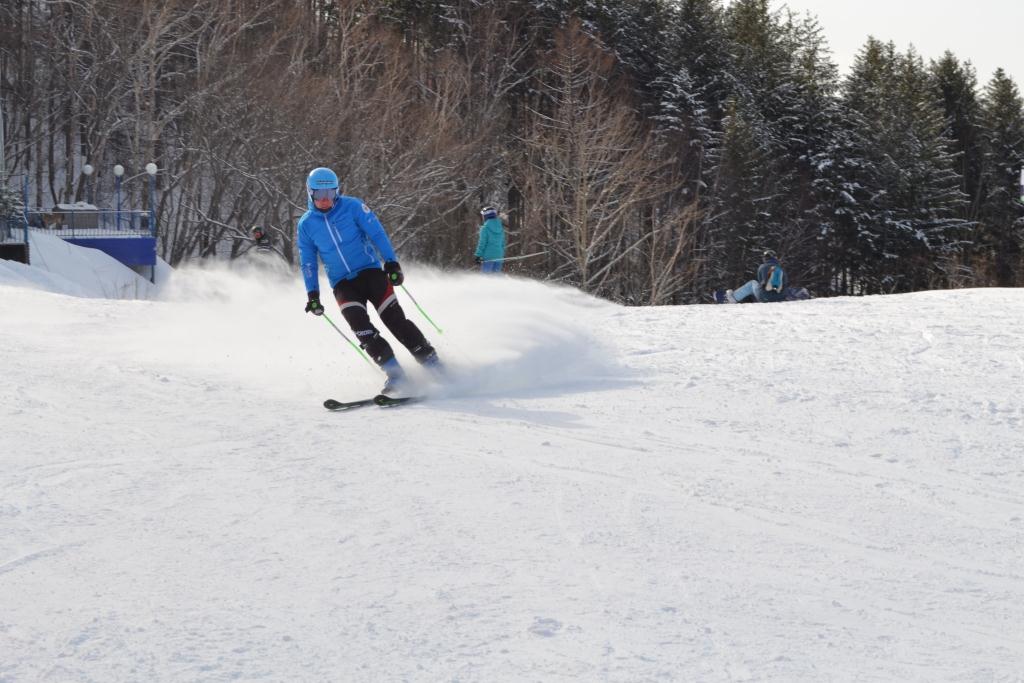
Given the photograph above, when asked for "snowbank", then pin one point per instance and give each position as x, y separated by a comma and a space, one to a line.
63, 268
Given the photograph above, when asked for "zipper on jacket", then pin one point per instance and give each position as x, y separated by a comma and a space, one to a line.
334, 238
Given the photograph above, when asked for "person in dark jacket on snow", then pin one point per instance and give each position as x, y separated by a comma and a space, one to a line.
262, 239
344, 234
490, 248
769, 286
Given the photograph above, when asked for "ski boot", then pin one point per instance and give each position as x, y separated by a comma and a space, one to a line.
432, 363
397, 382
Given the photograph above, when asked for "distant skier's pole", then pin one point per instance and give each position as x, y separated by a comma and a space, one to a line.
420, 308
513, 258
350, 342
1022, 185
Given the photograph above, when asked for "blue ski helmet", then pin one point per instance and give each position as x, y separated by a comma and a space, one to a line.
322, 185
489, 212
321, 179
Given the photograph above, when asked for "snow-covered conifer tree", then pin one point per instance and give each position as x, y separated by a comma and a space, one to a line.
1002, 214
909, 186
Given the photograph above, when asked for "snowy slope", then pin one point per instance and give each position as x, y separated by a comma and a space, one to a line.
828, 490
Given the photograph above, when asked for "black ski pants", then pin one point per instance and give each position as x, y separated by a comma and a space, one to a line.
371, 286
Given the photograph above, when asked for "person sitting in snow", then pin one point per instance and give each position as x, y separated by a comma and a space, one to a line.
490, 247
347, 237
770, 285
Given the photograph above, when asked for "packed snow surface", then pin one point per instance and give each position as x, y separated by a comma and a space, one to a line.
824, 490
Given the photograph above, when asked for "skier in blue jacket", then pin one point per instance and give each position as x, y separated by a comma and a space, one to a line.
350, 241
490, 247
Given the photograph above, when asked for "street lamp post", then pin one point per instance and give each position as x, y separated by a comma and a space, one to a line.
87, 171
3, 159
151, 169
118, 172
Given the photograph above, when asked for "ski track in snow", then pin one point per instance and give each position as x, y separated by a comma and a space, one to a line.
829, 490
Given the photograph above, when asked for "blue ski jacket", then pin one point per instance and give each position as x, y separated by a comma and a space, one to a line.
348, 239
762, 280
491, 245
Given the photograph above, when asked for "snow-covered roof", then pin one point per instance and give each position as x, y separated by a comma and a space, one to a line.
75, 206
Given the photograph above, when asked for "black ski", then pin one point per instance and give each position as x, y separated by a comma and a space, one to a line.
380, 400
385, 401
339, 406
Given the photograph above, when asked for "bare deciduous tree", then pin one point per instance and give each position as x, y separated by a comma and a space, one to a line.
594, 174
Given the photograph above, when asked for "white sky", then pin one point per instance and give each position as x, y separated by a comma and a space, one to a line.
984, 32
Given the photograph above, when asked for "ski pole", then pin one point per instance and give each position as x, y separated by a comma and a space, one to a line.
513, 258
345, 337
420, 308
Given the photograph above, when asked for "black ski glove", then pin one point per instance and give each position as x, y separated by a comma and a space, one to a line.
394, 272
313, 305
477, 260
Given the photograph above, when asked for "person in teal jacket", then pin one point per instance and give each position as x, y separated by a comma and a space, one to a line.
762, 289
490, 248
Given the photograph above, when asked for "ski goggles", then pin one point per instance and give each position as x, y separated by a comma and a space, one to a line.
328, 193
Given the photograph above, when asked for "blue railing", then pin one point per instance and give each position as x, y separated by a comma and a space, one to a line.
93, 222
128, 236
